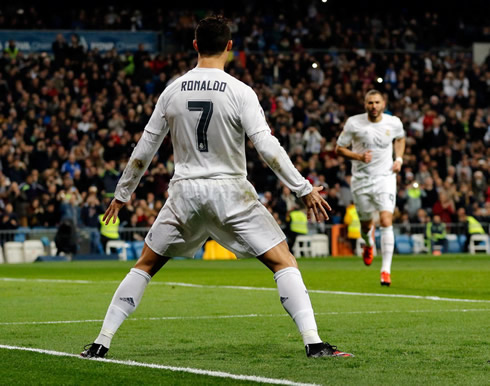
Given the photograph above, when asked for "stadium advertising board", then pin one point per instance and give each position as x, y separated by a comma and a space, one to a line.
28, 41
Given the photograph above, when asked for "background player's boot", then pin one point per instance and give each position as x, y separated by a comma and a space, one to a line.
323, 349
367, 254
385, 279
94, 350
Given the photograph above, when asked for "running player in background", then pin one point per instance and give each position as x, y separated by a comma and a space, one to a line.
370, 137
208, 113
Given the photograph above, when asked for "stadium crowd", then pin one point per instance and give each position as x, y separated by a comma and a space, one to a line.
276, 24
69, 121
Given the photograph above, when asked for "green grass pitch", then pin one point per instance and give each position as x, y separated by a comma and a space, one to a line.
431, 328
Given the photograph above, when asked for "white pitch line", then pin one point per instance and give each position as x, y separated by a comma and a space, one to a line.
210, 373
14, 279
437, 298
203, 317
248, 288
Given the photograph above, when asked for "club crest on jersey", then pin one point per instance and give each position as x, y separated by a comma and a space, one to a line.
387, 133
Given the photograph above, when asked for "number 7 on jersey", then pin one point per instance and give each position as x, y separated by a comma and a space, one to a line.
206, 109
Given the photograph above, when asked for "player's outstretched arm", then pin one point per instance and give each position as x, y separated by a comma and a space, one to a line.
278, 160
140, 159
276, 157
316, 204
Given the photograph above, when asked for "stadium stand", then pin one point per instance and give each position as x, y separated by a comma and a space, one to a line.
69, 119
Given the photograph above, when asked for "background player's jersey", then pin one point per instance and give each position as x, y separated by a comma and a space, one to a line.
208, 112
363, 135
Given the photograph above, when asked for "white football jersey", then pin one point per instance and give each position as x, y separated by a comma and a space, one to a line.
363, 135
208, 113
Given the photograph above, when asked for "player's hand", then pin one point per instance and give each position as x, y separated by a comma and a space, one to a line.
316, 204
397, 166
366, 157
112, 211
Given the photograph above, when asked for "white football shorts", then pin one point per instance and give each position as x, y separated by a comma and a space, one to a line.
227, 210
376, 194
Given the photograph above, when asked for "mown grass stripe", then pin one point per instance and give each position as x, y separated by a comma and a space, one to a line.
242, 316
248, 288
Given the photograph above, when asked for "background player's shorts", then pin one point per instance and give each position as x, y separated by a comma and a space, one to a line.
227, 210
376, 195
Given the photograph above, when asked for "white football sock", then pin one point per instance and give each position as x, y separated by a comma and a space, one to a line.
368, 237
296, 301
387, 247
125, 300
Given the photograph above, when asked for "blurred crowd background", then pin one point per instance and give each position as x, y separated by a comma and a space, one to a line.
70, 120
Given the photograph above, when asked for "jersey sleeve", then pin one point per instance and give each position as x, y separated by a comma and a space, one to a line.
399, 132
252, 115
276, 157
157, 123
140, 159
345, 137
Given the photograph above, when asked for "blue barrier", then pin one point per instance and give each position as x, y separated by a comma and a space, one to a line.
403, 244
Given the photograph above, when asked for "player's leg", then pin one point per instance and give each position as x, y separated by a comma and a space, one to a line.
248, 229
295, 299
367, 231
178, 235
292, 291
387, 246
385, 204
365, 209
126, 299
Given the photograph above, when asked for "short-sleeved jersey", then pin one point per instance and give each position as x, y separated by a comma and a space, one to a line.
363, 135
208, 113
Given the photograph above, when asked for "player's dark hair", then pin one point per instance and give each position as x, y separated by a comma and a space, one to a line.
212, 35
373, 92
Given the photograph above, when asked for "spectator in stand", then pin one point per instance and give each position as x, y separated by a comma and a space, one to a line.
312, 140
60, 50
11, 51
479, 186
76, 52
286, 99
9, 219
414, 196
110, 177
430, 196
91, 209
436, 236
48, 103
471, 226
71, 165
444, 208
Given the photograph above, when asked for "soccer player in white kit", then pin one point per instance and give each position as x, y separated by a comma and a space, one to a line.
208, 114
370, 137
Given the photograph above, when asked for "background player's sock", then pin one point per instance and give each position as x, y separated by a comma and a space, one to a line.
296, 301
387, 247
368, 237
124, 302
